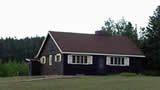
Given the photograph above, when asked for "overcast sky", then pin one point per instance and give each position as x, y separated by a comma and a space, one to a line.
23, 18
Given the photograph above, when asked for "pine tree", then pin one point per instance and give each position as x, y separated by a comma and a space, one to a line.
152, 42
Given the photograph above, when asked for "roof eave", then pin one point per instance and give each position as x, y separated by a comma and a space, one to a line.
87, 53
44, 41
125, 55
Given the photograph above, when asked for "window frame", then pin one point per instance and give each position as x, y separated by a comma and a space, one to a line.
80, 59
43, 60
50, 60
117, 61
58, 56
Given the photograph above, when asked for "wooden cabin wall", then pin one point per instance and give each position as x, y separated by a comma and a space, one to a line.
73, 69
56, 68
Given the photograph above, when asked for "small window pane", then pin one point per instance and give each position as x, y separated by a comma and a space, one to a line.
78, 60
81, 59
58, 58
73, 61
122, 61
119, 61
43, 60
111, 60
115, 60
85, 59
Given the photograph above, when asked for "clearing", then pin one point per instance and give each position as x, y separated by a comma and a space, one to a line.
111, 82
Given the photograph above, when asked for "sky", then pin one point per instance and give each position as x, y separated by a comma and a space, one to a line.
22, 18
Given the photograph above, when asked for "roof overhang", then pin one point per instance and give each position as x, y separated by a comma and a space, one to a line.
29, 60
120, 55
85, 53
44, 41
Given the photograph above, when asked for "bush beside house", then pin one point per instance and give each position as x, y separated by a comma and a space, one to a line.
13, 68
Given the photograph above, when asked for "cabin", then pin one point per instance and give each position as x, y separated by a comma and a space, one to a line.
67, 53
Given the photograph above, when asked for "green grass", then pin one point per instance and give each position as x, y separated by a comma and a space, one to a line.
113, 82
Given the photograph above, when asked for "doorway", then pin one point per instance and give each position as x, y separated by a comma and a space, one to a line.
101, 64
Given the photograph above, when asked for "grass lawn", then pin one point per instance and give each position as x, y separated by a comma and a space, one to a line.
114, 82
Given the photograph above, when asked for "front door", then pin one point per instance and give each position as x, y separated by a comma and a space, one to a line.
101, 65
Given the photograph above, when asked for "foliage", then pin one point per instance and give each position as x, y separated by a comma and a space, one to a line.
109, 26
13, 68
121, 28
19, 49
151, 73
128, 74
151, 38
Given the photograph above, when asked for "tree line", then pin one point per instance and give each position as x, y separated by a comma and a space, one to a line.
19, 49
148, 39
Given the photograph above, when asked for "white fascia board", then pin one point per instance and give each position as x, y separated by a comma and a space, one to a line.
55, 42
28, 60
49, 34
104, 54
41, 46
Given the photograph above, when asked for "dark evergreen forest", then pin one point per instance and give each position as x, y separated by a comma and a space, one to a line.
19, 49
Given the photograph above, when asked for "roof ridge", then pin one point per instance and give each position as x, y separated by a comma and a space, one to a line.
83, 33
72, 32
91, 43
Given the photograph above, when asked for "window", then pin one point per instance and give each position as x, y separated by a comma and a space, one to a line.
50, 60
82, 59
74, 58
79, 59
117, 61
43, 60
85, 59
122, 60
58, 58
111, 60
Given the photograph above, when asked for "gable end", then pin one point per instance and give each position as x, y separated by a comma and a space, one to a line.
44, 42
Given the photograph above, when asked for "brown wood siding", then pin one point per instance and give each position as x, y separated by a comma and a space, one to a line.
94, 69
34, 68
50, 49
136, 66
73, 69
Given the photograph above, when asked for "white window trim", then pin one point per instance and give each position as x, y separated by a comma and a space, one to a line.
126, 61
43, 60
59, 57
89, 59
114, 55
50, 60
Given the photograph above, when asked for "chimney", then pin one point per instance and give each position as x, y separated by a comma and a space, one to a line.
102, 33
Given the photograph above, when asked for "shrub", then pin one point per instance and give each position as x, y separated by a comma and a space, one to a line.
127, 74
13, 68
151, 73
